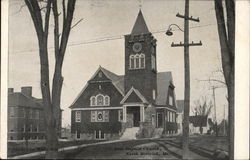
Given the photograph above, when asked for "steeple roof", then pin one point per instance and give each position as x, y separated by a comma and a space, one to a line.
140, 25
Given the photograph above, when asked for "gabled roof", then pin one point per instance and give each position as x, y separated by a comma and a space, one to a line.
163, 82
19, 99
133, 90
140, 26
117, 81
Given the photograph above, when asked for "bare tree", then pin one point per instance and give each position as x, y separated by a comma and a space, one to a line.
202, 108
40, 13
226, 31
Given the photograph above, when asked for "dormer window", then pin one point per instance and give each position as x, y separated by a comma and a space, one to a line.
100, 100
137, 61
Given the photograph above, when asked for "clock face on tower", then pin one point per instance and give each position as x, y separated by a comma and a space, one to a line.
137, 47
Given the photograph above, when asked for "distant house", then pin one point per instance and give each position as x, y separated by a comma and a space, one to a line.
198, 124
180, 114
25, 115
142, 99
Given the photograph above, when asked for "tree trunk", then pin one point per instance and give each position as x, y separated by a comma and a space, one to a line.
227, 44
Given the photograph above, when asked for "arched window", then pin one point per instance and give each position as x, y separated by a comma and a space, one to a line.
137, 61
132, 61
142, 61
99, 99
92, 101
106, 101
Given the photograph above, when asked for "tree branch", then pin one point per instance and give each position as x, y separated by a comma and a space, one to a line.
56, 28
47, 16
64, 11
77, 23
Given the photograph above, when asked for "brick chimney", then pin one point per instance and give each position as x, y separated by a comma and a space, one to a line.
27, 90
10, 90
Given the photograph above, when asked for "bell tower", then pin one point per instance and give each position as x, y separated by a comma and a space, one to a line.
140, 60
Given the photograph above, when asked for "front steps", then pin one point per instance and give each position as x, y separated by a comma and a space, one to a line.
157, 133
130, 133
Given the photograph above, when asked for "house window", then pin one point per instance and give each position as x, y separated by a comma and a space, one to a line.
30, 129
99, 134
170, 99
30, 114
99, 100
78, 134
120, 115
78, 116
153, 62
100, 116
100, 74
23, 128
170, 116
12, 111
92, 101
153, 94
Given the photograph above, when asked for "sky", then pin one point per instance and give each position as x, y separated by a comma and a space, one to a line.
103, 19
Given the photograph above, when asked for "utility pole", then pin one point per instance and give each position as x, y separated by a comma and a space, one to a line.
185, 140
215, 119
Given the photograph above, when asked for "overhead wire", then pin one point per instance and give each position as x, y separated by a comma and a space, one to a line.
107, 39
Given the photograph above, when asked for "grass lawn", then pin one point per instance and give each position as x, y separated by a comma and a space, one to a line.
19, 148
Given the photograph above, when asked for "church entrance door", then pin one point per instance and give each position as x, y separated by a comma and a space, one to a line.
133, 116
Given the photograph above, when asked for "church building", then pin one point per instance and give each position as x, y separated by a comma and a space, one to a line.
139, 104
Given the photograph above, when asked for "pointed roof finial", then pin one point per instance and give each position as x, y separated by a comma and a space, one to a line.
140, 26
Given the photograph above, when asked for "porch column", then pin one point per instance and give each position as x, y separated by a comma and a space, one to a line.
142, 113
124, 113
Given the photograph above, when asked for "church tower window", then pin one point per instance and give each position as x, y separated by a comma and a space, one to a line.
132, 62
137, 61
142, 60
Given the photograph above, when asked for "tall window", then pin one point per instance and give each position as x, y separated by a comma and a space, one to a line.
106, 101
153, 94
99, 134
12, 111
132, 61
100, 100
142, 61
170, 99
153, 62
78, 116
92, 101
137, 61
